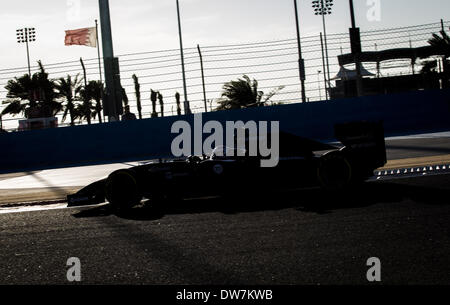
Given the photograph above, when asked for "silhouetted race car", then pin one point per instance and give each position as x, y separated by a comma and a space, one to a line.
302, 163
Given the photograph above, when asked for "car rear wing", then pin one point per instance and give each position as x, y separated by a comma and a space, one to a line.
365, 140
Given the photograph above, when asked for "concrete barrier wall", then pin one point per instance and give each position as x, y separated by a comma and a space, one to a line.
408, 113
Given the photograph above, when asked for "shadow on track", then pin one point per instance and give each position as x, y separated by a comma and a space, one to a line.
432, 190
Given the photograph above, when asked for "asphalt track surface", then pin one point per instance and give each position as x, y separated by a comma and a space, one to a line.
295, 238
291, 237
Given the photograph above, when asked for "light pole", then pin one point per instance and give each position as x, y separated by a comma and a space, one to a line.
203, 77
26, 35
318, 83
355, 41
323, 7
324, 67
187, 109
112, 102
301, 61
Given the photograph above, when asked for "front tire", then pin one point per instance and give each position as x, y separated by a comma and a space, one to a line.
122, 190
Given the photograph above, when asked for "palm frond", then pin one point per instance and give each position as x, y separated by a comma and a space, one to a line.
244, 93
125, 97
272, 93
14, 108
442, 42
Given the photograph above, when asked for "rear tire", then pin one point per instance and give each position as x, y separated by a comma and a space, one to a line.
122, 190
334, 171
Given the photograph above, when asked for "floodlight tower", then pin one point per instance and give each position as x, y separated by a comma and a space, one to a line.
26, 35
323, 7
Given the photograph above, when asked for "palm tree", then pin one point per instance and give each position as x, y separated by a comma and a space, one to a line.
161, 103
178, 101
96, 93
124, 97
35, 96
47, 95
244, 93
137, 89
85, 110
66, 88
442, 43
153, 98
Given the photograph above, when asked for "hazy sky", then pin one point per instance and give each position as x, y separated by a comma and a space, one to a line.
151, 25
146, 25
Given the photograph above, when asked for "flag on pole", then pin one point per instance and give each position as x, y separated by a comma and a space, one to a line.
82, 37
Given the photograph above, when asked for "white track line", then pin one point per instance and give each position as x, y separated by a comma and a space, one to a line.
39, 208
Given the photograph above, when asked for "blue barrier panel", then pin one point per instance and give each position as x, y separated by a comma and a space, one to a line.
407, 113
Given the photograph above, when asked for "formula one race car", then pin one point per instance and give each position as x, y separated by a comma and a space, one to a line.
302, 163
